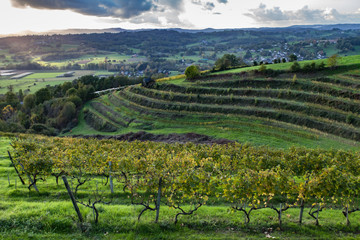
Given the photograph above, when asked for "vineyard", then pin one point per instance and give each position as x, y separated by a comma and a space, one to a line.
186, 177
320, 109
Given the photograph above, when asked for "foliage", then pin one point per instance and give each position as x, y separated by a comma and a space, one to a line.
192, 72
228, 61
332, 61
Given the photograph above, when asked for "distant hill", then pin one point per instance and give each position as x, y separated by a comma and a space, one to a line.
206, 30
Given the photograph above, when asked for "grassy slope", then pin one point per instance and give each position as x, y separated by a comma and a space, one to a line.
50, 215
257, 131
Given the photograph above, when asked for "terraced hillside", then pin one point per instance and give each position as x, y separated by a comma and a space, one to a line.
308, 110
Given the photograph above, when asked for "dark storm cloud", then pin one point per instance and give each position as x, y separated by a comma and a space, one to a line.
102, 8
264, 15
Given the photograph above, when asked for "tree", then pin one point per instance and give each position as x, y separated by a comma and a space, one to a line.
333, 61
295, 67
42, 95
21, 95
7, 112
11, 99
192, 72
67, 113
29, 102
228, 61
292, 57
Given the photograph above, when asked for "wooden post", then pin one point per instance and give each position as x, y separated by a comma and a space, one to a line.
302, 206
158, 201
245, 218
111, 181
72, 199
317, 215
280, 215
12, 161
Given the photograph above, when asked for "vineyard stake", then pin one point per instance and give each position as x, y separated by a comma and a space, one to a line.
317, 215
72, 198
245, 218
280, 215
158, 201
302, 206
111, 181
16, 168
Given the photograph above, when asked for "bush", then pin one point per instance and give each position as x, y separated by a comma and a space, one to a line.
192, 72
295, 67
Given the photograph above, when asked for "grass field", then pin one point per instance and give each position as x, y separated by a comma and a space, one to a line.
41, 79
99, 58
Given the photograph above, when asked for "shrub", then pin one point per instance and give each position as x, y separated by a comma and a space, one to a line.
192, 72
295, 67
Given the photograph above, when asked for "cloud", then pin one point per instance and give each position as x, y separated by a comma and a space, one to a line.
273, 16
209, 6
223, 1
103, 8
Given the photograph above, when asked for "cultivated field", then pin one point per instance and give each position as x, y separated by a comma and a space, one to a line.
41, 79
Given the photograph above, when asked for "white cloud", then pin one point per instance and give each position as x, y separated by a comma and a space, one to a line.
305, 15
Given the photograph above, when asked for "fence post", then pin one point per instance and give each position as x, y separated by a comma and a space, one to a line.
12, 161
158, 201
111, 181
72, 199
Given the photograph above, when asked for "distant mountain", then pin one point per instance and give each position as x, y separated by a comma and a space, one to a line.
118, 30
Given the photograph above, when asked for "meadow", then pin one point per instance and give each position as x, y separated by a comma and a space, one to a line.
41, 79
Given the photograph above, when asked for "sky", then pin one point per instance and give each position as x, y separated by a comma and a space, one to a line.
43, 15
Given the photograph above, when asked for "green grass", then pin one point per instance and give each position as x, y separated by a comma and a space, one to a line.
99, 58
41, 79
44, 75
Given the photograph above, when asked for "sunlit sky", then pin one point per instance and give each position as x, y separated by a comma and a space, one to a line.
39, 15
